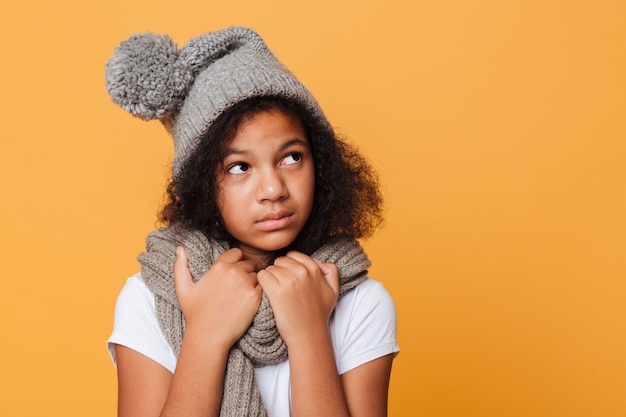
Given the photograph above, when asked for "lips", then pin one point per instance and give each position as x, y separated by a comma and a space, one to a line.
275, 221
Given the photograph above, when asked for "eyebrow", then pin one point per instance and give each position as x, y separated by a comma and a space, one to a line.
286, 145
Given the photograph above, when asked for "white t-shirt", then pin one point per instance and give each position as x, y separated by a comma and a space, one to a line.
362, 326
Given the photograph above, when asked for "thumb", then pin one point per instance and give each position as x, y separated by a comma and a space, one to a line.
331, 274
182, 276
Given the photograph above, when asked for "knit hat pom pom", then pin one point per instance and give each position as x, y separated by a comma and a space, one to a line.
145, 76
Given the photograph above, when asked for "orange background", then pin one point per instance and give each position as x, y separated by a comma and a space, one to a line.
499, 131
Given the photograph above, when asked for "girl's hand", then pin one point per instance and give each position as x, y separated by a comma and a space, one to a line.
303, 293
226, 299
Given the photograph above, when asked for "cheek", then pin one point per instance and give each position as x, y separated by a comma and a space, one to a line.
219, 199
227, 215
234, 203
309, 188
225, 204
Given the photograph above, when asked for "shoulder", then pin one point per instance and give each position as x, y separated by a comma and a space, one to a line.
363, 325
368, 297
135, 289
135, 300
136, 325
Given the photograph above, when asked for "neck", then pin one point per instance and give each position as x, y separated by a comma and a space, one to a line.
260, 259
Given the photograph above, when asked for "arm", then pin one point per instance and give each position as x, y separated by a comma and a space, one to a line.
319, 391
367, 386
198, 381
143, 384
217, 309
145, 387
316, 388
303, 294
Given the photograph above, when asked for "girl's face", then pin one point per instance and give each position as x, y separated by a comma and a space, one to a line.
265, 184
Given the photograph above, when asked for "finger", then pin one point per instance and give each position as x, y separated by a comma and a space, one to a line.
285, 262
252, 277
294, 260
301, 257
182, 276
266, 280
331, 273
231, 256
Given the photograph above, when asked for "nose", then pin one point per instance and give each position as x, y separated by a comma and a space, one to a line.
271, 185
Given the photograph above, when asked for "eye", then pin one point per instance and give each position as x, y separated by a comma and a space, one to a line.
238, 168
293, 158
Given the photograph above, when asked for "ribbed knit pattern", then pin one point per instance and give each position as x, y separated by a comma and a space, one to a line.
188, 89
261, 344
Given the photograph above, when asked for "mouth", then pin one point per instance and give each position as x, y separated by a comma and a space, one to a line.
275, 221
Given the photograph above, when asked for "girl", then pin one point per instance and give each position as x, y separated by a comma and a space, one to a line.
254, 299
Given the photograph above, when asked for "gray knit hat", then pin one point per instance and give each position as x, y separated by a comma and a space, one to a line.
188, 89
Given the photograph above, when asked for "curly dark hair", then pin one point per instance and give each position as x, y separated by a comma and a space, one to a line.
347, 199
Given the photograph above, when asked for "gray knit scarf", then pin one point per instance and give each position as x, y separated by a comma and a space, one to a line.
261, 345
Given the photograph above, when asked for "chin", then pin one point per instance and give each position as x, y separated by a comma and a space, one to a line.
276, 245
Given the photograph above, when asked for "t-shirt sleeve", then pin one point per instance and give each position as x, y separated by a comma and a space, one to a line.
136, 325
364, 326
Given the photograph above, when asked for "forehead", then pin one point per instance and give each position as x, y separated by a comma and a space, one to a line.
271, 125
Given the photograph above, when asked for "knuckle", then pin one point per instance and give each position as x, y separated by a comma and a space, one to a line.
301, 271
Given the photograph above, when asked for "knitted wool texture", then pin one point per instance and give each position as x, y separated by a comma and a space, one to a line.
188, 89
261, 344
